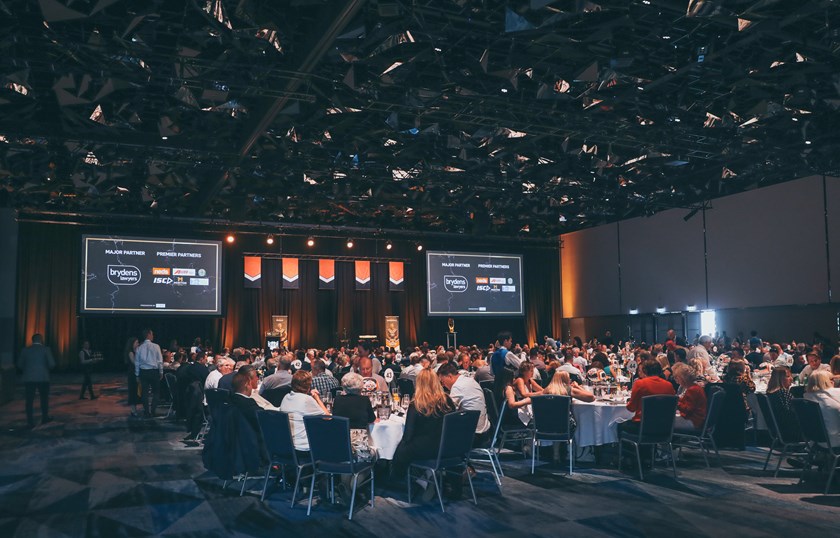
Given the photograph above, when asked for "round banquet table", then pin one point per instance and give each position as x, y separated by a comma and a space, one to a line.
597, 422
385, 435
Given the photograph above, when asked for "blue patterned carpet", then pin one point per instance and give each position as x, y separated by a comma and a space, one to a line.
95, 472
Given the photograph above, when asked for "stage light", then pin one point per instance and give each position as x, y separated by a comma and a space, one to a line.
269, 240
310, 241
419, 246
349, 243
388, 245
230, 238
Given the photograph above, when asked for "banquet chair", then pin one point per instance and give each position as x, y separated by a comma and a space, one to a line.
332, 454
487, 385
277, 435
487, 450
511, 430
699, 437
275, 396
552, 423
406, 386
786, 444
455, 445
656, 428
172, 388
813, 428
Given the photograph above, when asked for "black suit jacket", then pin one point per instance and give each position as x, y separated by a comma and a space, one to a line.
248, 407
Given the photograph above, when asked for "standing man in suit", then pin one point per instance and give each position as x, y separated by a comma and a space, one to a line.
36, 361
148, 367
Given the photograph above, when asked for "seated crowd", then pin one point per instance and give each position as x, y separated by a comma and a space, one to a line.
447, 379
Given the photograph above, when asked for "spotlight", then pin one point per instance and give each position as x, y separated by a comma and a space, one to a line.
388, 245
269, 240
349, 243
419, 246
310, 241
230, 238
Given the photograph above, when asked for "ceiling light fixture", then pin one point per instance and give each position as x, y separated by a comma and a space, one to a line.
388, 245
269, 240
310, 241
349, 243
230, 238
419, 247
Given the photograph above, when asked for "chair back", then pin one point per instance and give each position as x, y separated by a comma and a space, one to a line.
487, 385
171, 385
456, 439
277, 434
811, 422
275, 396
406, 386
329, 439
713, 411
551, 414
769, 418
658, 414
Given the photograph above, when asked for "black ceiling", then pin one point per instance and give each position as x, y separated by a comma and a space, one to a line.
477, 117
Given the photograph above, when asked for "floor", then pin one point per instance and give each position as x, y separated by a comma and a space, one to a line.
95, 472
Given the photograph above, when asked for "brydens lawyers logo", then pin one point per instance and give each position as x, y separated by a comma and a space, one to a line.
123, 275
160, 271
183, 272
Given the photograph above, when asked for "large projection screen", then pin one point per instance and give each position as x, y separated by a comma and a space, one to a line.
137, 275
473, 284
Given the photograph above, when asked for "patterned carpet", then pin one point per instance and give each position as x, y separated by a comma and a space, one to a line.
95, 472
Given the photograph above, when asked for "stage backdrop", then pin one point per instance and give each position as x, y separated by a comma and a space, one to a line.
49, 274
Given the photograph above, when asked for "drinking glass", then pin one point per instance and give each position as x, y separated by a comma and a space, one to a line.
405, 401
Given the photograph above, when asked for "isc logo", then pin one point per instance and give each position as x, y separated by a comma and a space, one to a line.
162, 280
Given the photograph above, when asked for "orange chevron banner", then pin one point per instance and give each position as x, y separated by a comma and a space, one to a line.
396, 278
362, 275
326, 274
253, 272
291, 274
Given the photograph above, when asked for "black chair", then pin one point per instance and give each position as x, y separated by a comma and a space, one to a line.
552, 423
487, 449
332, 454
216, 398
487, 385
172, 388
513, 429
275, 396
786, 445
698, 438
656, 428
455, 445
405, 386
813, 428
277, 435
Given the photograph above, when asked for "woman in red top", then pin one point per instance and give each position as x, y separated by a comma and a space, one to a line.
692, 403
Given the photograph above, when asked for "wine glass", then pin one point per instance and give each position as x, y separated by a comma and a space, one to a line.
405, 401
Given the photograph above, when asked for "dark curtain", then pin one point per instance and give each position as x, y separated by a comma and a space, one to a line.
49, 276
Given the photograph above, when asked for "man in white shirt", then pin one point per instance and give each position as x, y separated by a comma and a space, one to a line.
467, 394
814, 363
148, 368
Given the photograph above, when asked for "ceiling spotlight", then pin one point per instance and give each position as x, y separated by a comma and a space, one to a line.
419, 246
230, 238
807, 142
310, 241
388, 245
269, 240
349, 243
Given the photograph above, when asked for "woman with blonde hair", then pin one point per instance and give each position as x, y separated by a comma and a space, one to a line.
561, 384
423, 422
821, 389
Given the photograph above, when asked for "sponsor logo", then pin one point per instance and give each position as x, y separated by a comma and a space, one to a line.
497, 280
182, 272
481, 280
162, 280
202, 272
179, 281
199, 282
508, 288
123, 275
160, 271
160, 305
510, 281
455, 283
483, 287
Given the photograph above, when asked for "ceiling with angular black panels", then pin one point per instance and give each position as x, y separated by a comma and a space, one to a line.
526, 118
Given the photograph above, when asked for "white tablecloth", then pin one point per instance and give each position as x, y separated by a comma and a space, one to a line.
386, 435
597, 422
